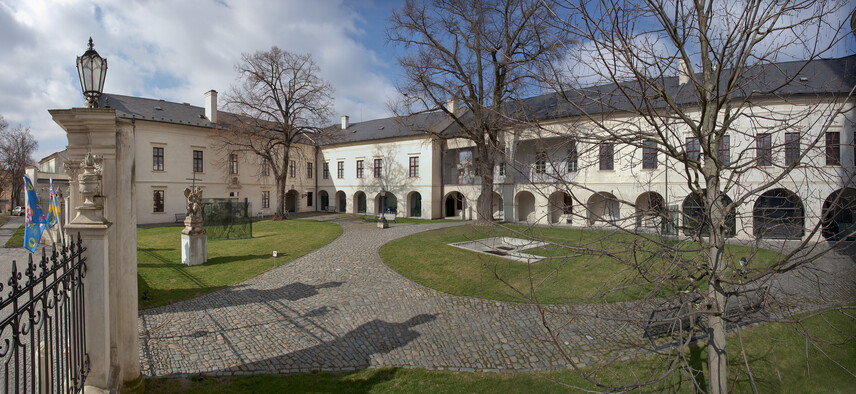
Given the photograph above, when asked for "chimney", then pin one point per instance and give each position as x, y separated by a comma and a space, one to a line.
211, 105
451, 104
683, 72
345, 122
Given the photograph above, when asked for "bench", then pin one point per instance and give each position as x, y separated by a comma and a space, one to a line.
179, 217
389, 217
744, 302
678, 317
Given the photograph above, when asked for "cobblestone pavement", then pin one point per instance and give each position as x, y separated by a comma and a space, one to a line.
340, 308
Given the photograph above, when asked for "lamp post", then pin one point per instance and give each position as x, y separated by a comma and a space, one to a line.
91, 68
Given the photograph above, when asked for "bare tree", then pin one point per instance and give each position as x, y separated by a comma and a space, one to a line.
17, 146
280, 104
675, 88
468, 59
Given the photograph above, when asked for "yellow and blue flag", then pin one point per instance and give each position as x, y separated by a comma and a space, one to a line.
34, 222
53, 208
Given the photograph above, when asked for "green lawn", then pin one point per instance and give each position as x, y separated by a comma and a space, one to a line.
575, 274
17, 239
4, 217
229, 261
776, 353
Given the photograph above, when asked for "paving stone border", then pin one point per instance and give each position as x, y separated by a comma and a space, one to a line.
341, 308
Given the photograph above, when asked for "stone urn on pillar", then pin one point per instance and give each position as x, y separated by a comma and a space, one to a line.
194, 240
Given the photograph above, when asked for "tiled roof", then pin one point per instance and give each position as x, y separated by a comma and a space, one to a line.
155, 110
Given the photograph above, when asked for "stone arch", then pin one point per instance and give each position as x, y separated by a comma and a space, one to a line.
696, 218
560, 205
325, 200
525, 206
341, 202
453, 204
603, 207
778, 213
359, 202
291, 199
386, 202
414, 205
650, 210
839, 214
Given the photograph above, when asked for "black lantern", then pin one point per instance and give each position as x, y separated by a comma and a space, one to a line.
92, 68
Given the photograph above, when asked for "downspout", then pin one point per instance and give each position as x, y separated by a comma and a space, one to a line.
315, 175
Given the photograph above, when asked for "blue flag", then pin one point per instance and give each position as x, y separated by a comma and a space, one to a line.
34, 222
53, 208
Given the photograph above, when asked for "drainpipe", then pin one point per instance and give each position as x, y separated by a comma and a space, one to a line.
315, 175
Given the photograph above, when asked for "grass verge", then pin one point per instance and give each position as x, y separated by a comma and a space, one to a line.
160, 271
575, 272
17, 239
373, 219
777, 354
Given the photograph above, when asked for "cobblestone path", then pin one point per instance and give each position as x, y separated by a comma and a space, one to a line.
340, 308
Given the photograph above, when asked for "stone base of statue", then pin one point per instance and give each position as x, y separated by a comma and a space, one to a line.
382, 223
194, 242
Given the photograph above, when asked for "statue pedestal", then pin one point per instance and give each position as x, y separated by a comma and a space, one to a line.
194, 249
194, 242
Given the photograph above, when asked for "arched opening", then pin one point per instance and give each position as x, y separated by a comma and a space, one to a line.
696, 219
561, 207
291, 201
454, 204
839, 215
325, 200
650, 210
525, 207
778, 213
341, 202
415, 204
359, 202
603, 207
498, 209
386, 202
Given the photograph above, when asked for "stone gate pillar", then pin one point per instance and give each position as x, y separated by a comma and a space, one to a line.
107, 224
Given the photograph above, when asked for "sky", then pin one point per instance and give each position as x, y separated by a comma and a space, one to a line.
178, 50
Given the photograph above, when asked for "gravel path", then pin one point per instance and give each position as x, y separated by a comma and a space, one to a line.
340, 308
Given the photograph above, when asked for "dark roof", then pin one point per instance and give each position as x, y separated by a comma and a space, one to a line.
818, 77
155, 110
378, 129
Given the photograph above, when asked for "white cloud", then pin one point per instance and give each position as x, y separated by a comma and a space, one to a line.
175, 51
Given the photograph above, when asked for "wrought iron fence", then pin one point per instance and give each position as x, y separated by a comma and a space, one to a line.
42, 343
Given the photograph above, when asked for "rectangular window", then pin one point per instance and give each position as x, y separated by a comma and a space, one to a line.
725, 151
414, 166
359, 168
833, 148
309, 171
764, 150
573, 157
649, 155
693, 149
292, 169
308, 199
340, 169
266, 199
157, 198
265, 168
378, 168
540, 162
500, 169
792, 148
325, 171
197, 161
233, 163
157, 159
607, 161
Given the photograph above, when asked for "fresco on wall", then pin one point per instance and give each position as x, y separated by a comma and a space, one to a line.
465, 167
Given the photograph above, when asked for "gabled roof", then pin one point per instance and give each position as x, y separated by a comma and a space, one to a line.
155, 110
393, 127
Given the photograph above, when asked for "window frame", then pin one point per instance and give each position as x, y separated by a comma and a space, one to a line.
265, 198
540, 162
158, 200
832, 148
340, 170
692, 148
792, 148
649, 155
198, 162
724, 153
573, 157
233, 164
325, 170
606, 156
413, 166
158, 154
292, 168
764, 150
360, 169
309, 170
377, 169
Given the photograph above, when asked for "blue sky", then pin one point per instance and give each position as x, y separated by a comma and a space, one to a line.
178, 49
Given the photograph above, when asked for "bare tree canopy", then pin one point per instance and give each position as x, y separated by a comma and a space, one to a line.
469, 58
281, 101
700, 92
17, 146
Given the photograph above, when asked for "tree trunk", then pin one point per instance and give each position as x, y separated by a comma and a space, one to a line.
716, 345
281, 212
484, 203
